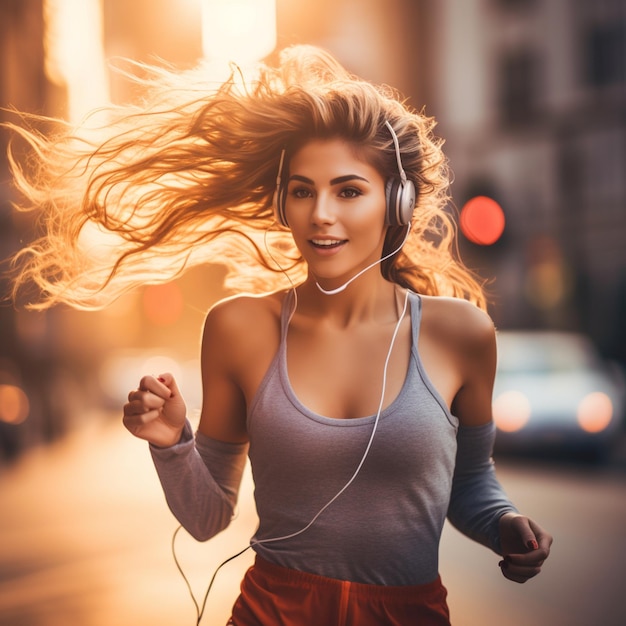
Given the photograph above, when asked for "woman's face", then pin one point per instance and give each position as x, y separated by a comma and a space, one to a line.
335, 207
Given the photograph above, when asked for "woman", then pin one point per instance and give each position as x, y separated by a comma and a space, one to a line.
361, 393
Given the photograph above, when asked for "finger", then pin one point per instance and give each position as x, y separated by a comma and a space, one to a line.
518, 573
137, 395
135, 422
544, 538
142, 402
518, 576
168, 380
536, 558
155, 385
522, 526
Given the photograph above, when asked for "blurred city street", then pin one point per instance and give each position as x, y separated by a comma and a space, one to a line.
85, 540
529, 96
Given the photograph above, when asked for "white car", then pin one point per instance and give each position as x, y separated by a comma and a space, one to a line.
554, 392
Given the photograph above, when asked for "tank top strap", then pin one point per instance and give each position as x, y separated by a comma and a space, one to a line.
416, 315
286, 312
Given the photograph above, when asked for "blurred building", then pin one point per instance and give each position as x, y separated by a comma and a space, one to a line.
22, 371
530, 96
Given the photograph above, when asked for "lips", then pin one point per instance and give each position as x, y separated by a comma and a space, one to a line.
327, 244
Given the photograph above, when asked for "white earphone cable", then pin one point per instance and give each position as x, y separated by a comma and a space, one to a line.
332, 292
200, 609
369, 444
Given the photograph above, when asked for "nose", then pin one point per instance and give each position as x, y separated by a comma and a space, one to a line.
323, 212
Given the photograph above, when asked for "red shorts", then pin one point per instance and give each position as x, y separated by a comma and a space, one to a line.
276, 596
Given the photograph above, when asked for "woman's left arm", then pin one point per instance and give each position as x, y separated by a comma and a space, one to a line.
479, 507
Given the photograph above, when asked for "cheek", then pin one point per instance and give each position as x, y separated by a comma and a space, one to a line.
370, 216
298, 224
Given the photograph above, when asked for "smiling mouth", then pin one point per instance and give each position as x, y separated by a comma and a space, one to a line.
326, 244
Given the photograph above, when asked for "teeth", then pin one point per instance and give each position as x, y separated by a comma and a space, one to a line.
325, 242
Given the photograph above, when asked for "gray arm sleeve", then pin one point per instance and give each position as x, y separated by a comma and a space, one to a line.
477, 500
201, 479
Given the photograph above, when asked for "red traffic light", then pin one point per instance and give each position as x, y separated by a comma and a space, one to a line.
482, 220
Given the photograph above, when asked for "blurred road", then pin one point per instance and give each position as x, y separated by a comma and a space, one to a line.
85, 541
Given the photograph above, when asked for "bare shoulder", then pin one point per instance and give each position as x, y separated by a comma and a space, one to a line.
232, 312
462, 322
240, 336
244, 316
466, 334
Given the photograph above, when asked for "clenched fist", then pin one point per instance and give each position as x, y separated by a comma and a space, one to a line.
156, 411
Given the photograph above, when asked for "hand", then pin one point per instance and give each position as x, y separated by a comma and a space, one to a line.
156, 411
525, 546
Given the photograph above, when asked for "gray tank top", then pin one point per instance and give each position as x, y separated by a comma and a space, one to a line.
385, 527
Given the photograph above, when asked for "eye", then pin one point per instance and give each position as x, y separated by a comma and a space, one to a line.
350, 192
300, 192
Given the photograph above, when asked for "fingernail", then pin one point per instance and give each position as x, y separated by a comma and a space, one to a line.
503, 564
532, 544
161, 379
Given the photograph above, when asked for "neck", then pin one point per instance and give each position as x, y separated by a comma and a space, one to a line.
370, 298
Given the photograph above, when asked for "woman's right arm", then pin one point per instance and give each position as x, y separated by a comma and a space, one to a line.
200, 476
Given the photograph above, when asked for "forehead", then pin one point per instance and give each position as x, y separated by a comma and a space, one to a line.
332, 154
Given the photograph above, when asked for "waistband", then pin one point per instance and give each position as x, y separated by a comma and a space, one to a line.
297, 577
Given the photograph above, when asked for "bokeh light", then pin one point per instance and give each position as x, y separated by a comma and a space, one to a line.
595, 412
482, 220
163, 304
14, 405
511, 411
548, 282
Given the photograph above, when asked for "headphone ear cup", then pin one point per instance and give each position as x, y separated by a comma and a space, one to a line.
400, 198
407, 202
279, 206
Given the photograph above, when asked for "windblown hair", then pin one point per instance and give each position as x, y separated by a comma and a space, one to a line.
188, 177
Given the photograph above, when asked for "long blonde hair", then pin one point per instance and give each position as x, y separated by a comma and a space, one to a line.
188, 177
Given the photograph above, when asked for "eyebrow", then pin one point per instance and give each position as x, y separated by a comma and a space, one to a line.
334, 181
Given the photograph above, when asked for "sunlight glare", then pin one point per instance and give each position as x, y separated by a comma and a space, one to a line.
74, 53
239, 30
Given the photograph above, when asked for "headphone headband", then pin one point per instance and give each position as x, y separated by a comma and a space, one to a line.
400, 193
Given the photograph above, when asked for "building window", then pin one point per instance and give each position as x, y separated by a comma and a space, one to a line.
518, 87
606, 54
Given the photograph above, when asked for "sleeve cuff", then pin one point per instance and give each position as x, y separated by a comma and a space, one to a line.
184, 445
